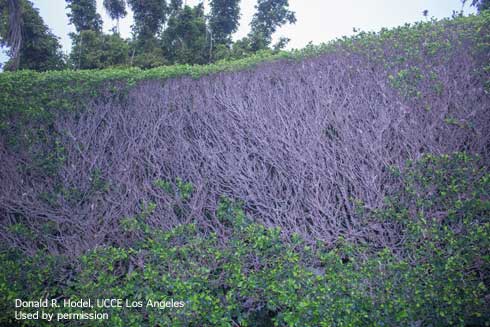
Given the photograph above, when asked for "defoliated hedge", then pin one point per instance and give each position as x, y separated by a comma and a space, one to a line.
435, 272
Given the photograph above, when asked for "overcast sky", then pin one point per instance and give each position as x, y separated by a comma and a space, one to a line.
317, 20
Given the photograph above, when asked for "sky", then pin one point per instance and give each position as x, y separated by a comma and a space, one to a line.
317, 20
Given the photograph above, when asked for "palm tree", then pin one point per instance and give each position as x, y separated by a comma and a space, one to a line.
14, 36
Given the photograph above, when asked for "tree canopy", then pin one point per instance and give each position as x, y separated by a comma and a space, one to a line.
39, 49
83, 15
149, 16
269, 16
186, 40
224, 19
92, 50
163, 32
115, 8
481, 4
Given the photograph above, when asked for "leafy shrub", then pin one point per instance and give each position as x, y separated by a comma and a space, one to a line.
437, 273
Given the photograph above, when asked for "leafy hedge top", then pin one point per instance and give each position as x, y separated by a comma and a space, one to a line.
34, 93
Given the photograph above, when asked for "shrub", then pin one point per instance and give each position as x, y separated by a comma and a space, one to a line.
436, 274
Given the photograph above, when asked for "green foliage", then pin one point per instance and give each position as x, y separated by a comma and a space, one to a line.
239, 49
83, 15
481, 5
180, 188
115, 8
224, 20
407, 82
184, 189
35, 276
415, 47
22, 231
164, 185
40, 49
185, 38
270, 15
93, 50
443, 210
148, 16
255, 277
152, 57
98, 183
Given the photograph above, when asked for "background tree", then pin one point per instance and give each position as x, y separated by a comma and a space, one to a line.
185, 39
481, 4
175, 5
98, 50
269, 16
164, 32
116, 10
83, 15
11, 28
39, 49
149, 17
224, 20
